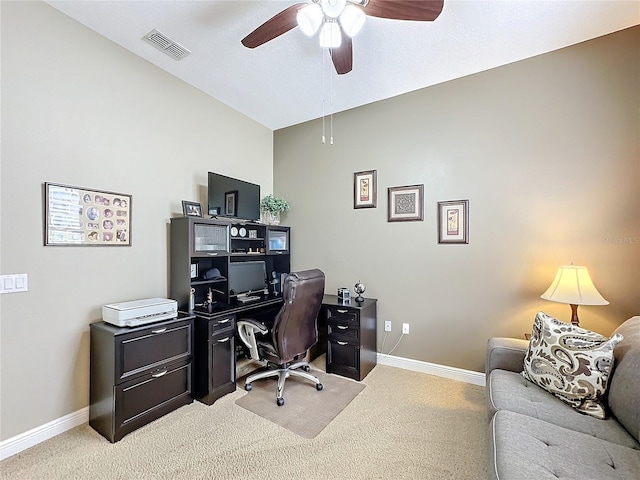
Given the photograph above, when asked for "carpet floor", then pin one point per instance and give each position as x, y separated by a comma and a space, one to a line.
403, 425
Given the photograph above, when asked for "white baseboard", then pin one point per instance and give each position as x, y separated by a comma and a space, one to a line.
452, 373
44, 432
36, 435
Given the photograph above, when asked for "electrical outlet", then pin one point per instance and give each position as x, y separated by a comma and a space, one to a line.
405, 328
387, 325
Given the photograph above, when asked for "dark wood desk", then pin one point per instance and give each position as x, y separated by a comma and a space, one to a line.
347, 333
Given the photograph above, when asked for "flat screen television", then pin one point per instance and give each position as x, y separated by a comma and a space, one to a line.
246, 278
230, 197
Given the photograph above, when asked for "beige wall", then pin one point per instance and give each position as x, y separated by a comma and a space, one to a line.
546, 150
78, 109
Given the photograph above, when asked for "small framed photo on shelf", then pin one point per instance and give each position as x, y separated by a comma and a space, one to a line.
453, 221
406, 203
191, 209
365, 192
231, 203
194, 270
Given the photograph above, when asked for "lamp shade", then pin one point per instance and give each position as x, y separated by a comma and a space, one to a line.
573, 285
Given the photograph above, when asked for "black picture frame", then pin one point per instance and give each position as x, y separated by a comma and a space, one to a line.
191, 209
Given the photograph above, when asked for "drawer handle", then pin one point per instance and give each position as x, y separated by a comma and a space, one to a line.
223, 321
160, 330
342, 327
159, 374
212, 254
342, 311
224, 340
341, 343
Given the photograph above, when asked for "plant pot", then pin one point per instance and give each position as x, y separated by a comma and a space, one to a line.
272, 218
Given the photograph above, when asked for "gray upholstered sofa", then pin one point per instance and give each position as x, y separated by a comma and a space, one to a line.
534, 435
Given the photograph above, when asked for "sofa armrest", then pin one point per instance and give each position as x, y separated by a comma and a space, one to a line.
506, 354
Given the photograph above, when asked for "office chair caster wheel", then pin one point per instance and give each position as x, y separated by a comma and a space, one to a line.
306, 368
248, 387
319, 386
280, 401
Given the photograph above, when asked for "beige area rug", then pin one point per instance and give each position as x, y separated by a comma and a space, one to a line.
306, 411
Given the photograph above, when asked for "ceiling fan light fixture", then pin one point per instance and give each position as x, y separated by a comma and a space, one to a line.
333, 8
352, 19
310, 18
330, 36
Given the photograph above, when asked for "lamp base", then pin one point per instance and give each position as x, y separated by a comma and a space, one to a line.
574, 315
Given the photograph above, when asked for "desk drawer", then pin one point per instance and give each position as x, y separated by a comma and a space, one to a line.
144, 350
224, 322
345, 315
150, 396
345, 330
343, 358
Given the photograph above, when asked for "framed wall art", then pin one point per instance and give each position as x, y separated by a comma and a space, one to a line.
83, 216
365, 193
191, 209
406, 203
453, 221
231, 203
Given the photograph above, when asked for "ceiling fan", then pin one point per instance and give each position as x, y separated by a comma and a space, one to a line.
338, 21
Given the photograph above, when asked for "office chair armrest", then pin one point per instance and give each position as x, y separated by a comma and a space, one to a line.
247, 329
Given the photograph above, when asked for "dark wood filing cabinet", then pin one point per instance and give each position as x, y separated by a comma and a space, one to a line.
351, 336
214, 364
138, 374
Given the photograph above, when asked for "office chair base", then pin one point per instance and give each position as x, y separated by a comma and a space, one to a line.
282, 372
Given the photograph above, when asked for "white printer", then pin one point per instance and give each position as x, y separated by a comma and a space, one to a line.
140, 312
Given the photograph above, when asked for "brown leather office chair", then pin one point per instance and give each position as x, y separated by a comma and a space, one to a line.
294, 332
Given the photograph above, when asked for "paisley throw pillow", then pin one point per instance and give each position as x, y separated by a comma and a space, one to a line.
570, 362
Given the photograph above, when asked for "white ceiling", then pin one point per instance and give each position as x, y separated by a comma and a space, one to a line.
286, 81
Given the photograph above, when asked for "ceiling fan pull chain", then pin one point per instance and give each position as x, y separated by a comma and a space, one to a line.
323, 95
331, 101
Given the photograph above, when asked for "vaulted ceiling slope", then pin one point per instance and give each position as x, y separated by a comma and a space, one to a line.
290, 80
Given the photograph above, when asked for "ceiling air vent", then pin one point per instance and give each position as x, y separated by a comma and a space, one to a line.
166, 45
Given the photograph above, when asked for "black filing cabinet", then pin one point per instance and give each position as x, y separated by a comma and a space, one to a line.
351, 336
138, 374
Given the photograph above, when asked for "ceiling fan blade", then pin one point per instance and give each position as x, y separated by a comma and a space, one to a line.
421, 10
274, 27
343, 56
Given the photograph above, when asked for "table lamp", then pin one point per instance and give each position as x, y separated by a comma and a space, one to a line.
573, 285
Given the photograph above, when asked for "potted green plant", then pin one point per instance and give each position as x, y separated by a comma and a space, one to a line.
272, 206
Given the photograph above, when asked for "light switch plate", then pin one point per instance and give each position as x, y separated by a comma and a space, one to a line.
14, 283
